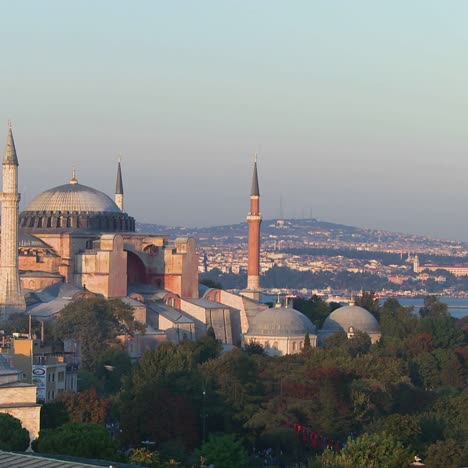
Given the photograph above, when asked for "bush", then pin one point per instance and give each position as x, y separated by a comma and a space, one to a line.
13, 437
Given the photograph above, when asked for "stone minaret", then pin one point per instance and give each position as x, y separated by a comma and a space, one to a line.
254, 219
11, 295
119, 188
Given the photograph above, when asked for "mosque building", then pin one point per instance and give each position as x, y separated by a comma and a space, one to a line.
74, 241
78, 235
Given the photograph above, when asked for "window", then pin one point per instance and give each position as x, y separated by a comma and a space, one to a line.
275, 345
294, 346
61, 376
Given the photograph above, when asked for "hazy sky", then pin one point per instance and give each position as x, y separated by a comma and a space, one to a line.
358, 109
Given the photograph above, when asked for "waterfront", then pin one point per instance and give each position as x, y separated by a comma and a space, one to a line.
457, 306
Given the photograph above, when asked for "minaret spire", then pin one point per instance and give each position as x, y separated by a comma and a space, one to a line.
9, 156
119, 188
11, 295
255, 190
254, 220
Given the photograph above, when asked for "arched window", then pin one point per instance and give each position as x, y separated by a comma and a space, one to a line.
294, 346
275, 345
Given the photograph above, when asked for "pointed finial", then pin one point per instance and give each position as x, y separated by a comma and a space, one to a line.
73, 180
10, 124
278, 302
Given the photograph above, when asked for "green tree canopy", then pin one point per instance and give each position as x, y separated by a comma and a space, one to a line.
443, 330
448, 454
79, 440
369, 301
397, 321
370, 451
315, 308
433, 307
96, 323
13, 436
224, 452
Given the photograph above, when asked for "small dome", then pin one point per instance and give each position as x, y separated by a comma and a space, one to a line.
351, 316
73, 197
280, 321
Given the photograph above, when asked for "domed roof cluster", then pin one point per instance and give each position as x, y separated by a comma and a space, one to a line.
350, 316
73, 197
280, 321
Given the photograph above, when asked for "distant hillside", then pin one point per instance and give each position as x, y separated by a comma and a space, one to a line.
297, 232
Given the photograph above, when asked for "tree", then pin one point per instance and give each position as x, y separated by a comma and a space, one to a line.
211, 333
19, 323
443, 330
114, 364
207, 347
369, 451
145, 457
397, 321
315, 308
224, 452
85, 407
77, 439
254, 347
370, 302
433, 308
234, 389
96, 323
404, 428
13, 437
447, 453
339, 339
162, 399
307, 344
359, 343
53, 415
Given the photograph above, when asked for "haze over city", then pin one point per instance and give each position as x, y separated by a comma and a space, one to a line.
356, 109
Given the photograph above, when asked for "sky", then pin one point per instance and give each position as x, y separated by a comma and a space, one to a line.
357, 110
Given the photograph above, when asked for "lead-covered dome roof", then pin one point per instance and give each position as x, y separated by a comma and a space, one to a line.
73, 197
74, 207
351, 316
280, 321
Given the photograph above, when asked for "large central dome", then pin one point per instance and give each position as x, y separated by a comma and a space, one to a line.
73, 197
74, 207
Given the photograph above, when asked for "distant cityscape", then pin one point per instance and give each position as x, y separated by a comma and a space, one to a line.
392, 264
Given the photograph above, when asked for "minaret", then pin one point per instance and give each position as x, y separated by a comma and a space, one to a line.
119, 188
254, 219
11, 295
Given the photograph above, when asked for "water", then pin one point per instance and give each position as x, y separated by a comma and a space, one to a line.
452, 303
